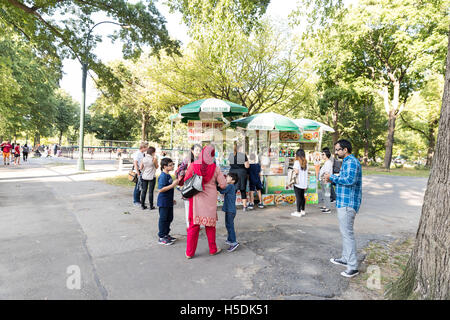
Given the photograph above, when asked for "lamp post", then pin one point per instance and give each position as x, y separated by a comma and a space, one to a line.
84, 63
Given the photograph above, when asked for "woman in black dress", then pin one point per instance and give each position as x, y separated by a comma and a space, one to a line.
239, 164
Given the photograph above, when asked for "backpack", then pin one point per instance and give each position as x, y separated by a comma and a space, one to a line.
336, 165
25, 149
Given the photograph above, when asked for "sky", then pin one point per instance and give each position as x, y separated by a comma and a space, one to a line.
107, 51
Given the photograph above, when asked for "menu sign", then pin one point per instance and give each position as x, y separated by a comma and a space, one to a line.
202, 130
306, 136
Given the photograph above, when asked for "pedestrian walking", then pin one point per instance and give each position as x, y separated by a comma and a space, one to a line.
301, 184
148, 168
17, 154
6, 149
348, 200
25, 151
203, 205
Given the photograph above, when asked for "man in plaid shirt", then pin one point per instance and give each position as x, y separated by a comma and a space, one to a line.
348, 200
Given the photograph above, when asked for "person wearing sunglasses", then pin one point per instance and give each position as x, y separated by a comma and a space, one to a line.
348, 200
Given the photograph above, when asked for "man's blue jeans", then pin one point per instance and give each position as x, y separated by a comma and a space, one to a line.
346, 218
136, 194
229, 224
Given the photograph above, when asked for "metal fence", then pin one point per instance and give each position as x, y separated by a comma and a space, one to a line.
98, 153
117, 153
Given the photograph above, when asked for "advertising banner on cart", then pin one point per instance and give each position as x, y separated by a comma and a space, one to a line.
276, 192
305, 137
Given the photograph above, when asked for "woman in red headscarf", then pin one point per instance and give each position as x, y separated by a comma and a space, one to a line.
203, 206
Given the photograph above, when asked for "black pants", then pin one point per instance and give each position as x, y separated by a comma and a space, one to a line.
300, 195
333, 193
25, 156
148, 184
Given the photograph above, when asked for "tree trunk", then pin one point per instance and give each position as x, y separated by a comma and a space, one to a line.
427, 274
144, 124
431, 146
368, 112
37, 139
390, 140
60, 137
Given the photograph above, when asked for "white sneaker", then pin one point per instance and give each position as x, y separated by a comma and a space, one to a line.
302, 213
296, 214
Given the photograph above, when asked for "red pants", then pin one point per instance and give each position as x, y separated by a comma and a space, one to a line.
192, 237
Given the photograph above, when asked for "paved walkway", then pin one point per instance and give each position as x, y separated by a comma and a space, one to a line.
52, 217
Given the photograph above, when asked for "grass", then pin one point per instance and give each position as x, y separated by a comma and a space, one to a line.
122, 181
409, 172
390, 258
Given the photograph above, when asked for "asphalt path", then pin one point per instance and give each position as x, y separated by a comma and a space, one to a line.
54, 220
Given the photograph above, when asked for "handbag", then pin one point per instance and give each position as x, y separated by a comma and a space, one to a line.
291, 177
192, 186
132, 176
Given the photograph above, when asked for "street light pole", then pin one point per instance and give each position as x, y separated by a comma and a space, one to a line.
84, 63
82, 111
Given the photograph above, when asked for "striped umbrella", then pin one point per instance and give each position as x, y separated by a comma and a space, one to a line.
266, 121
210, 109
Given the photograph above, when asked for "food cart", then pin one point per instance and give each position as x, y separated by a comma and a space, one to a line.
278, 155
207, 121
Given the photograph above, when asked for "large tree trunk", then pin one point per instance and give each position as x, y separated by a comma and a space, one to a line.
368, 112
60, 137
431, 146
390, 140
427, 274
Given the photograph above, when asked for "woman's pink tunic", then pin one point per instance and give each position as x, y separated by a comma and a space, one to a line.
205, 202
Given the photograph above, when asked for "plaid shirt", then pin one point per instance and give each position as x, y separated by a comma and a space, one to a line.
348, 184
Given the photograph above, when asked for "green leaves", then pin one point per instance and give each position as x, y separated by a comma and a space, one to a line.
60, 28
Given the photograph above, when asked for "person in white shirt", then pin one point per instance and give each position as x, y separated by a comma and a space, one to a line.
301, 183
325, 186
148, 167
137, 159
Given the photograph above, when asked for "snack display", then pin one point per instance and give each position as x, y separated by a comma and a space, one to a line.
276, 169
268, 199
312, 198
287, 135
290, 199
308, 135
280, 198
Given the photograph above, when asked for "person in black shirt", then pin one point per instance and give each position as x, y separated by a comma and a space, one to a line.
239, 165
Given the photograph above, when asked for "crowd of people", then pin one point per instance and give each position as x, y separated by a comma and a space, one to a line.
12, 152
201, 209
